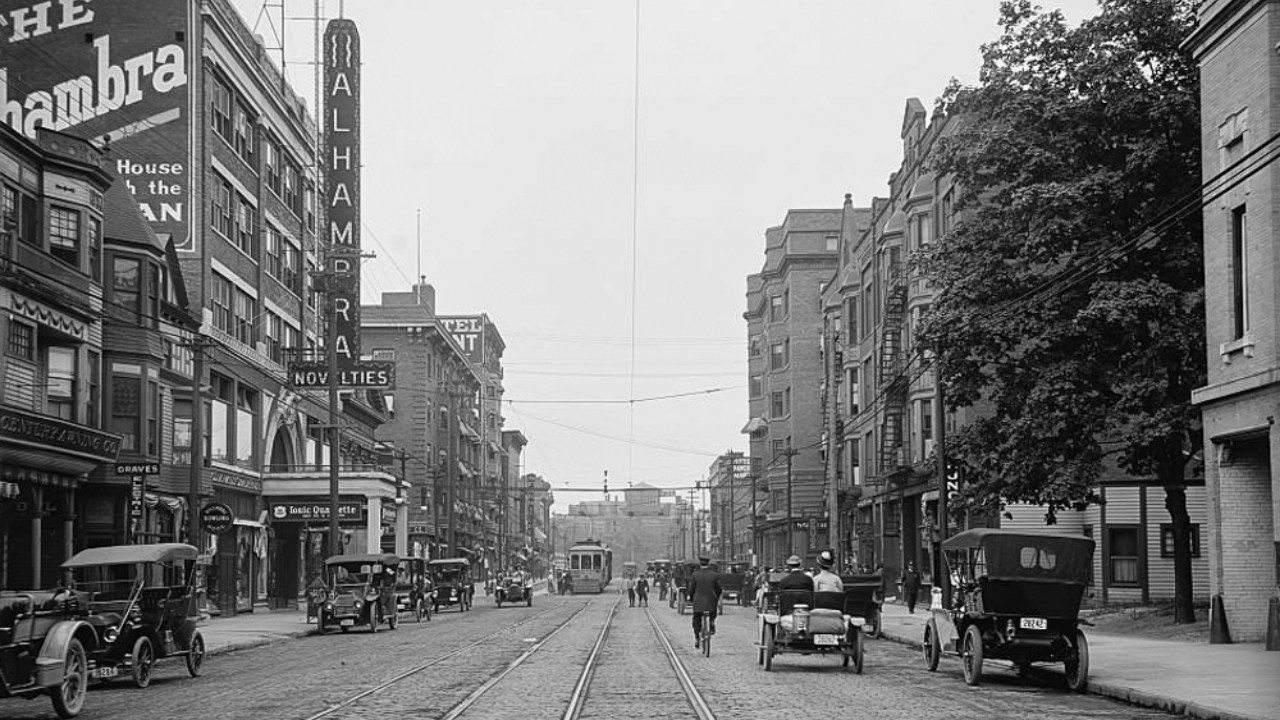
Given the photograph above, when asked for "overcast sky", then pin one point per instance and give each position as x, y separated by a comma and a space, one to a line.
512, 126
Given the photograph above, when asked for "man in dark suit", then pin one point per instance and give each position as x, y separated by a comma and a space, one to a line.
705, 590
795, 579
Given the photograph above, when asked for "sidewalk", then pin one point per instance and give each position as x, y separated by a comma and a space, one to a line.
1233, 682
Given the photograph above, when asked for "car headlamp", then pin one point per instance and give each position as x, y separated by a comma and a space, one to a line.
110, 635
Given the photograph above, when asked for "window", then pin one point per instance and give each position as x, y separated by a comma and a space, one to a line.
153, 418
282, 258
244, 312
851, 319
246, 409
222, 210
126, 283
868, 292
243, 133
855, 392
156, 281
126, 408
757, 386
309, 206
244, 226
1166, 540
21, 342
775, 308
271, 165
95, 248
220, 302
926, 420
60, 381
181, 442
777, 360
920, 230
64, 235
1123, 557
1240, 271
833, 243
754, 345
292, 187
8, 209
222, 109
777, 408
946, 212
95, 390
274, 336
778, 448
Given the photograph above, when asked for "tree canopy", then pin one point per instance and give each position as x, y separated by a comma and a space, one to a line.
1069, 308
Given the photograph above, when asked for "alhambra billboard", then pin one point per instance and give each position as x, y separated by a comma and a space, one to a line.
115, 72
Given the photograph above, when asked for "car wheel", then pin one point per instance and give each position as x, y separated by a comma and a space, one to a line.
195, 656
872, 628
144, 657
859, 648
68, 697
971, 655
1077, 664
760, 654
932, 647
769, 641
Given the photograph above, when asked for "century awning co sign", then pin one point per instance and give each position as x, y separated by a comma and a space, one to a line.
342, 174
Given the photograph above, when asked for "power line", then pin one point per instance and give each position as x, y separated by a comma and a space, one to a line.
632, 401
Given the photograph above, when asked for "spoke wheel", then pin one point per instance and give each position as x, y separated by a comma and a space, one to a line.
375, 617
1077, 664
195, 657
932, 646
971, 655
68, 698
858, 647
873, 629
769, 640
760, 654
144, 657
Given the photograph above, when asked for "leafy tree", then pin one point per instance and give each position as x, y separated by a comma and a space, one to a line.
1070, 303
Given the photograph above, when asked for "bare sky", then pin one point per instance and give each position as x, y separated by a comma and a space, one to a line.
511, 125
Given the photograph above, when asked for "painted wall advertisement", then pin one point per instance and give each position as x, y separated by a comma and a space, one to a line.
116, 73
468, 331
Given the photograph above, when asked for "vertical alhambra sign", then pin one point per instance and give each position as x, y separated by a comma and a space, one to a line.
342, 166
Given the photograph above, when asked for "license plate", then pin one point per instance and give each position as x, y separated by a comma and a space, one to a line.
1033, 624
104, 672
826, 639
347, 623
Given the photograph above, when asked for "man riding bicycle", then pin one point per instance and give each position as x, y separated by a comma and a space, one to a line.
704, 589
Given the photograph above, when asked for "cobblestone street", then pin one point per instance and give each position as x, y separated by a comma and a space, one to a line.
426, 670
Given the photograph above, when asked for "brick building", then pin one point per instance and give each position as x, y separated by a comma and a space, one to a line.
784, 328
730, 507
1234, 44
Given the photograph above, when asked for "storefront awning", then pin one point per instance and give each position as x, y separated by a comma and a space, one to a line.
754, 425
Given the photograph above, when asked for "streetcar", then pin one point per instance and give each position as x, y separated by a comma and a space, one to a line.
590, 567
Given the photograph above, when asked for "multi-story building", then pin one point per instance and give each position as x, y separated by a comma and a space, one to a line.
219, 154
1234, 44
730, 507
435, 423
784, 328
509, 470
52, 214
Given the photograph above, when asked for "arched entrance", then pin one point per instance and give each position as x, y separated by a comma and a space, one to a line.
281, 451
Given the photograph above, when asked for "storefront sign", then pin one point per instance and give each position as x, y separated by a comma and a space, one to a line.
137, 489
303, 512
21, 427
367, 373
468, 331
217, 518
114, 72
388, 514
236, 480
138, 469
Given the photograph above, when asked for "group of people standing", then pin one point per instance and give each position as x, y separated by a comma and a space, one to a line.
637, 589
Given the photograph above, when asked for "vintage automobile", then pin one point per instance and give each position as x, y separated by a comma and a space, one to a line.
142, 606
414, 590
362, 591
864, 598
452, 579
514, 588
1015, 596
810, 623
44, 646
734, 582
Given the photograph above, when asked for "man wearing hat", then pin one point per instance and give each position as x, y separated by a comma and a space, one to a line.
705, 590
795, 579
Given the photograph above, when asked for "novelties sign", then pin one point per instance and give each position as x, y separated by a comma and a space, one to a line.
115, 72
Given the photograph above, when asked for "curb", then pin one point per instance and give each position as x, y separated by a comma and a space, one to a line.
1139, 698
259, 642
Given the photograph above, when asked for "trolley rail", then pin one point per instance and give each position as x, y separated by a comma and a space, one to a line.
444, 658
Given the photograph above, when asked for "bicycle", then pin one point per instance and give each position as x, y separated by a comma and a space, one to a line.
704, 635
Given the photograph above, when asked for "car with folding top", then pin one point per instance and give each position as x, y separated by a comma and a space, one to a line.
361, 592
453, 583
515, 587
44, 646
1014, 596
141, 603
805, 622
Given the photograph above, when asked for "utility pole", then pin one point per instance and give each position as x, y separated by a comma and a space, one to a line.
790, 453
940, 577
451, 469
733, 508
197, 440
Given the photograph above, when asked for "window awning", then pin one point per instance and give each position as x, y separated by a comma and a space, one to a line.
754, 425
466, 430
466, 472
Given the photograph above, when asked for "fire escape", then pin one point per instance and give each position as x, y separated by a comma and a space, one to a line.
893, 376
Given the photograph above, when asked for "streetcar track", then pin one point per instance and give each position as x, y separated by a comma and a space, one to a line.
696, 701
432, 663
579, 697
